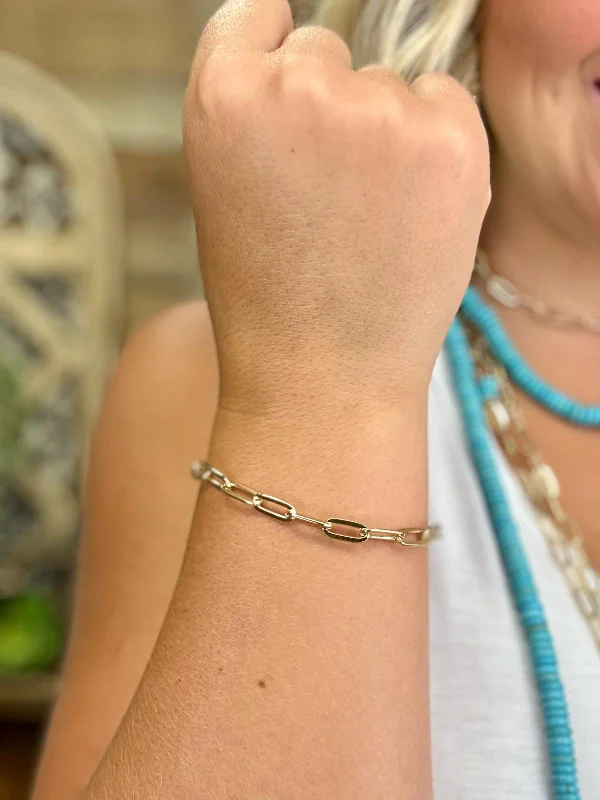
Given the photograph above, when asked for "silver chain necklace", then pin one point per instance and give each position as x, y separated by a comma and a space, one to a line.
507, 294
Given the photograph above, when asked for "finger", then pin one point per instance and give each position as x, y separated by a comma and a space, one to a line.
246, 26
380, 78
311, 40
443, 91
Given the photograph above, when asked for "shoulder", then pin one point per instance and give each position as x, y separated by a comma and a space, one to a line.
164, 388
139, 500
179, 339
170, 352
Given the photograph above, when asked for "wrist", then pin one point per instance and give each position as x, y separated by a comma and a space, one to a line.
311, 404
310, 385
333, 425
369, 465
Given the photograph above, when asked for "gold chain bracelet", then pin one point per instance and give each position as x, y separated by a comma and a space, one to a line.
408, 537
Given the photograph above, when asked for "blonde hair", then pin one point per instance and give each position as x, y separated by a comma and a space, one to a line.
409, 36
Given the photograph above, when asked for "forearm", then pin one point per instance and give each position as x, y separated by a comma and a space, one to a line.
290, 665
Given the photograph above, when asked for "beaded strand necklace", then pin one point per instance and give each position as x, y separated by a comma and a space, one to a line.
559, 737
486, 320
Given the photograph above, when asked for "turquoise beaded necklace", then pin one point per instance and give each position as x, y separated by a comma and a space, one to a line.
486, 320
559, 737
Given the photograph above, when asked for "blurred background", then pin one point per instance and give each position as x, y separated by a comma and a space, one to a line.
96, 234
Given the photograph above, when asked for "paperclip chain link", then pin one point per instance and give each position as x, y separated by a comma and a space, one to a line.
351, 531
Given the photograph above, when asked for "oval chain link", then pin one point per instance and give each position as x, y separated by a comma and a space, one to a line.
503, 291
286, 512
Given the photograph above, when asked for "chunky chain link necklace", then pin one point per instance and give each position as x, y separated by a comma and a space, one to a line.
507, 294
539, 481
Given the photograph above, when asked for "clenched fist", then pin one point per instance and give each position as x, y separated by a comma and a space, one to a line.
337, 211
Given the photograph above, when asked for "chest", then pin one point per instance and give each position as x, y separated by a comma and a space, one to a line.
486, 723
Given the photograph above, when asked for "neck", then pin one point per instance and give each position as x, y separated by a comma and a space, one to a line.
544, 259
538, 254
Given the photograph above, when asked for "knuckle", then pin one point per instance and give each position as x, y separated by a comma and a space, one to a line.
223, 88
460, 132
386, 117
438, 85
322, 38
464, 153
455, 141
305, 81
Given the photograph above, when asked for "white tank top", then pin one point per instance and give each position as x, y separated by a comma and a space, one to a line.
488, 739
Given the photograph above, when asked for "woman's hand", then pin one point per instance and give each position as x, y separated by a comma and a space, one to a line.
338, 212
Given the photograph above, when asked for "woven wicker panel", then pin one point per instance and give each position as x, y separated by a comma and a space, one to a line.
61, 238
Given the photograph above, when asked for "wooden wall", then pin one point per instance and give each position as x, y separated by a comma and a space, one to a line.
109, 37
128, 60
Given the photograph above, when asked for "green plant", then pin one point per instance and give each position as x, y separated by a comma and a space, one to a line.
30, 631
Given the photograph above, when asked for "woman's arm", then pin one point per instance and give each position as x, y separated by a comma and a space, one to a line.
138, 508
337, 214
343, 709
291, 666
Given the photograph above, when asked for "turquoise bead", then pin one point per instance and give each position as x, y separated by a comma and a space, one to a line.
486, 320
488, 388
553, 702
